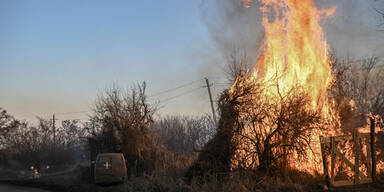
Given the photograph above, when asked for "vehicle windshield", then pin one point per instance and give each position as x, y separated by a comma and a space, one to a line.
113, 159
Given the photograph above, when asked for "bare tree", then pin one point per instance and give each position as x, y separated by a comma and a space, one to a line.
126, 119
381, 13
237, 64
361, 81
7, 124
183, 134
34, 145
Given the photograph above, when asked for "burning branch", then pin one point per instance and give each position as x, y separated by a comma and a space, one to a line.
271, 129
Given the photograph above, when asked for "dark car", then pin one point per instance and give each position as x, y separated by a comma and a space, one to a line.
110, 168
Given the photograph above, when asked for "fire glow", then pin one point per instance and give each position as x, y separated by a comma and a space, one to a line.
294, 48
295, 54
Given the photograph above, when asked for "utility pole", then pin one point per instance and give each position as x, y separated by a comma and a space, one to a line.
54, 130
210, 98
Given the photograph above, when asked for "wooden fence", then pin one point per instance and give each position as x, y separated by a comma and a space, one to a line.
330, 146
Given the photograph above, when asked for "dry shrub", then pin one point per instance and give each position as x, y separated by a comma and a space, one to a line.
174, 165
184, 134
247, 181
217, 153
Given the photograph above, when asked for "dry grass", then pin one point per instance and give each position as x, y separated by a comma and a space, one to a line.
238, 181
245, 181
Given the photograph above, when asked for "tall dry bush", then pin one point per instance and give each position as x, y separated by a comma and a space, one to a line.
126, 118
178, 140
184, 134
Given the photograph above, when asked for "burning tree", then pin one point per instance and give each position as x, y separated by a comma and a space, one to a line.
257, 131
276, 113
272, 130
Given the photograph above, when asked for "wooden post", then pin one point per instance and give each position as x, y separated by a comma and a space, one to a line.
333, 155
356, 150
369, 157
373, 155
325, 163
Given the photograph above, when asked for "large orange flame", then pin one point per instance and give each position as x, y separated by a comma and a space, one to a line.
295, 50
295, 53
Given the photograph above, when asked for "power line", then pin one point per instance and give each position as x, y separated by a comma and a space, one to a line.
222, 83
176, 96
165, 101
175, 88
217, 77
74, 112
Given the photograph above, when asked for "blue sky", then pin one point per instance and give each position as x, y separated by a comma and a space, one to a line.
56, 56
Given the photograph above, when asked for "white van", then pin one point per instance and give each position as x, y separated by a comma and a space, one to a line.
110, 168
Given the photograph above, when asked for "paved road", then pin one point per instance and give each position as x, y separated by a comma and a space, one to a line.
14, 188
